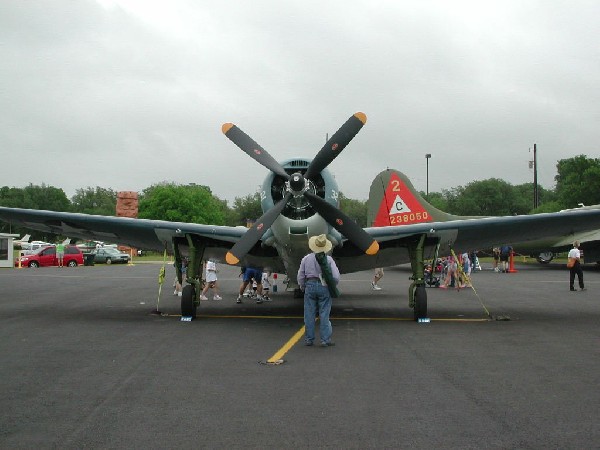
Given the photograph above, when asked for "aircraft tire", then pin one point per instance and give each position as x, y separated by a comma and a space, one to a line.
188, 307
420, 308
545, 257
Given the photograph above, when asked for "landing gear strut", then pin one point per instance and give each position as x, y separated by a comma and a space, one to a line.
190, 295
417, 295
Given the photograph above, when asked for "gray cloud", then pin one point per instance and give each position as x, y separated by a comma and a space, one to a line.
129, 98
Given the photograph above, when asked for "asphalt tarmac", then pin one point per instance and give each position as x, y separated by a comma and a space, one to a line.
86, 365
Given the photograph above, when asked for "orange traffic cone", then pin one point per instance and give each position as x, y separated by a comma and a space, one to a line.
511, 263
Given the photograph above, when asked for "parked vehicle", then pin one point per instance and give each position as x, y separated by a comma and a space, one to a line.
46, 256
110, 255
88, 246
29, 248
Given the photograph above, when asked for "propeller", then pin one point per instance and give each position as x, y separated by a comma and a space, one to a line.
298, 185
255, 232
344, 224
252, 149
336, 143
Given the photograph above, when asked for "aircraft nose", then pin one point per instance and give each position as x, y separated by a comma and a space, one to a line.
296, 182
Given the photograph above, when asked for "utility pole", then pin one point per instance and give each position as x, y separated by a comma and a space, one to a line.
535, 182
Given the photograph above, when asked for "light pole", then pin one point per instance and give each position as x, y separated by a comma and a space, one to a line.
427, 156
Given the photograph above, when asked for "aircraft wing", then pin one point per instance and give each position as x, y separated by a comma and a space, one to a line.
137, 233
589, 244
487, 231
468, 234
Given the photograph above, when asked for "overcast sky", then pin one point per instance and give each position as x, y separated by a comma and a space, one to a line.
126, 94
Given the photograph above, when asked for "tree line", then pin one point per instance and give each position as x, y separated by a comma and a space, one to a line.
577, 182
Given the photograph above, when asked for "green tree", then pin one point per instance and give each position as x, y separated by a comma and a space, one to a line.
437, 200
355, 209
95, 201
13, 198
229, 216
181, 203
45, 197
33, 197
547, 207
524, 197
491, 197
578, 181
246, 208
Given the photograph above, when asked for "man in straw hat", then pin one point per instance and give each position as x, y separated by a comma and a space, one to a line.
318, 276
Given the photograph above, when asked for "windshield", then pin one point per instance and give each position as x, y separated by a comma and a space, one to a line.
46, 251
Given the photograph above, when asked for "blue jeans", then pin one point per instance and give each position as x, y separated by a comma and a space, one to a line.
316, 297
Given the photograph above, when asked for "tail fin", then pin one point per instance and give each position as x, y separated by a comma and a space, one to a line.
25, 238
394, 201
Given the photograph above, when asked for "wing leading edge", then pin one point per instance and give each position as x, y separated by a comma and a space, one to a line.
138, 233
471, 234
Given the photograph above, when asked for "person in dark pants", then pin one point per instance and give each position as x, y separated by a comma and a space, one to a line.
251, 273
318, 276
575, 269
504, 256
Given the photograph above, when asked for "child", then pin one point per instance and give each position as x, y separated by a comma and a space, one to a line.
266, 285
211, 281
254, 288
451, 276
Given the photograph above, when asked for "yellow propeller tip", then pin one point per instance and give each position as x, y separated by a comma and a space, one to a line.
373, 248
226, 127
361, 116
231, 259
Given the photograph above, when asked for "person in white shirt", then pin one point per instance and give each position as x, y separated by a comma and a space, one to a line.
266, 284
575, 269
210, 281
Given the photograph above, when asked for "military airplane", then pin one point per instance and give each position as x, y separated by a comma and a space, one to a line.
299, 198
23, 242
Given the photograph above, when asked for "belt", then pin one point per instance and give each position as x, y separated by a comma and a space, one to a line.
314, 279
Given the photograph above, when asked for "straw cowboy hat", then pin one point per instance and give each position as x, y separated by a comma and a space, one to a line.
319, 244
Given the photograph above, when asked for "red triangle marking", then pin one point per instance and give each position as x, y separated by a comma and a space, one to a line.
399, 206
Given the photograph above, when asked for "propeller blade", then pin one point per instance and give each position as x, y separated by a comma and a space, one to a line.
343, 224
251, 148
243, 246
334, 146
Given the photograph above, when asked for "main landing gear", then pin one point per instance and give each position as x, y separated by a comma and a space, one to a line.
190, 294
188, 305
417, 295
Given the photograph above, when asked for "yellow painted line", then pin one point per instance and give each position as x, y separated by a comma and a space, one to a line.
277, 358
218, 316
404, 319
461, 320
287, 346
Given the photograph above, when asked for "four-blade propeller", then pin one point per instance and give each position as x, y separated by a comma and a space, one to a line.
297, 185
